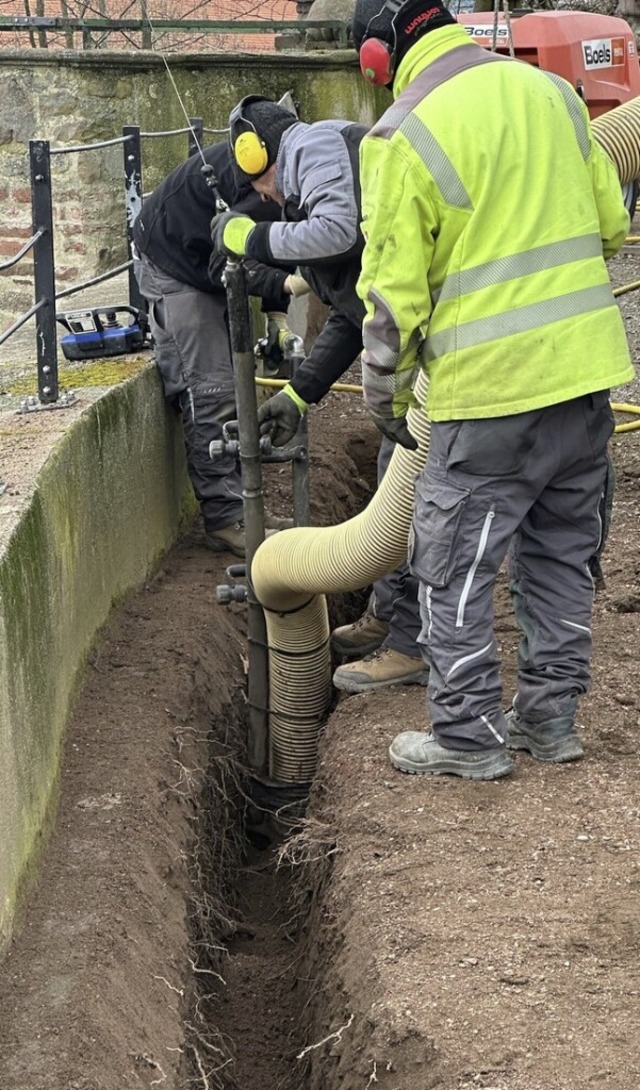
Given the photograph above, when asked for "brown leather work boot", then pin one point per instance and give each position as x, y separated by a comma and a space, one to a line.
377, 671
274, 522
360, 638
231, 539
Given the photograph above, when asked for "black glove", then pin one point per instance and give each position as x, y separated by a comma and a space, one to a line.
279, 418
395, 428
267, 282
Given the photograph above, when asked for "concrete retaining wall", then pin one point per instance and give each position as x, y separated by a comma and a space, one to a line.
106, 504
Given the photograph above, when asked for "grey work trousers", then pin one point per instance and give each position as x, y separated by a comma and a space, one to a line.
531, 486
193, 355
395, 598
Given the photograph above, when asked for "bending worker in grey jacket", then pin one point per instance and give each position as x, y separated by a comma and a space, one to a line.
313, 181
312, 172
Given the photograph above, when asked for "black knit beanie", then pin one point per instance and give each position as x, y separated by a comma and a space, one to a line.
269, 120
373, 19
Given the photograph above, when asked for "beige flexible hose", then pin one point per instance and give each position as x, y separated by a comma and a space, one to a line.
619, 134
293, 570
291, 573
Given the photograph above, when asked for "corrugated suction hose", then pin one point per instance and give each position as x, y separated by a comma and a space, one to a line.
293, 570
619, 134
291, 573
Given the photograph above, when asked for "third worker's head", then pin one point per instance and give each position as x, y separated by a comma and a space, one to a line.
383, 32
256, 126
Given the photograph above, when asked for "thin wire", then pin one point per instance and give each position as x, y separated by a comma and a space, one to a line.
175, 87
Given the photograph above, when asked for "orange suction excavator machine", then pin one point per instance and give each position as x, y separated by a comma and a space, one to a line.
596, 54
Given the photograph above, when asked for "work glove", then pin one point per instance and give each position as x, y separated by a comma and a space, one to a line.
296, 285
395, 428
267, 282
277, 331
230, 233
280, 416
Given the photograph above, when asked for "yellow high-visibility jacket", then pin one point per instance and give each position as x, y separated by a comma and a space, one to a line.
488, 212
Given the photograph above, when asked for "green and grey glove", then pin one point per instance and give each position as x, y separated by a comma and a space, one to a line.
395, 428
277, 329
230, 232
280, 416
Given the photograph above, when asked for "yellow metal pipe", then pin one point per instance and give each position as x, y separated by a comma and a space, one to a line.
338, 387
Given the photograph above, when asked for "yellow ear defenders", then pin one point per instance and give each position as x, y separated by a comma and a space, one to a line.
249, 149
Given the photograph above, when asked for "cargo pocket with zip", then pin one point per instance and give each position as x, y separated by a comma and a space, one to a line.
437, 517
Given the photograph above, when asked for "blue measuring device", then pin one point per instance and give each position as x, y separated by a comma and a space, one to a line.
98, 332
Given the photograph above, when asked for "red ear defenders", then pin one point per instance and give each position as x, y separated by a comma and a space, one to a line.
377, 57
377, 62
249, 149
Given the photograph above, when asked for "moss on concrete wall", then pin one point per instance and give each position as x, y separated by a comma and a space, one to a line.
108, 503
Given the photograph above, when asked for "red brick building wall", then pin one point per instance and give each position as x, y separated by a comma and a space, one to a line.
189, 40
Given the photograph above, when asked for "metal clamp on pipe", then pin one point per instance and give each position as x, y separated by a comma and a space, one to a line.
297, 453
279, 359
229, 447
226, 593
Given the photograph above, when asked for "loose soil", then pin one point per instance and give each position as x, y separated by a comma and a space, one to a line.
411, 934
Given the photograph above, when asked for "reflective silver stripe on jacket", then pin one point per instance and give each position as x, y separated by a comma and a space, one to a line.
520, 320
447, 66
514, 266
376, 382
437, 162
572, 102
381, 382
382, 354
384, 348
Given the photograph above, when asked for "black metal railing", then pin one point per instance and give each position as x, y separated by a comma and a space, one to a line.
45, 31
41, 243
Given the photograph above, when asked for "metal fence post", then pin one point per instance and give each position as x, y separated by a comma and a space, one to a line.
133, 202
44, 271
196, 135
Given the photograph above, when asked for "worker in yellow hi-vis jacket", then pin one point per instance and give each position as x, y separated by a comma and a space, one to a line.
486, 233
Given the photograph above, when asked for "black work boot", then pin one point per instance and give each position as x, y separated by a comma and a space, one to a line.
557, 742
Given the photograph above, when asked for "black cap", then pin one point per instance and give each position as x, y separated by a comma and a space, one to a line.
400, 26
265, 117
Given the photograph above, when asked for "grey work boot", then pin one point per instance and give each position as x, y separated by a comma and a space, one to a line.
231, 539
360, 638
417, 752
544, 741
379, 670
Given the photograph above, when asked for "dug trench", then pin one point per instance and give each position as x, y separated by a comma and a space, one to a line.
406, 935
159, 943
